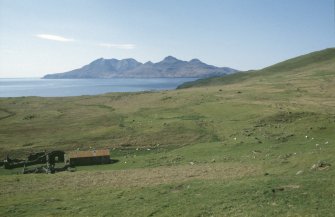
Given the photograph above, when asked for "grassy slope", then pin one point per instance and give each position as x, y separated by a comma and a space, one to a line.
310, 63
202, 151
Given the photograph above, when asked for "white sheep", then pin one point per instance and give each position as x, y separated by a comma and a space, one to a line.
318, 145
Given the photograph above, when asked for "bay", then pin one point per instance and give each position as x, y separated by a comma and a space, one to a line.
18, 87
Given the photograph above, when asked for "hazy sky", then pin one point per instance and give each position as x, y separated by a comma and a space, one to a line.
47, 36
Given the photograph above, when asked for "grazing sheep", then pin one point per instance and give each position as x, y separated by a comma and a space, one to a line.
318, 146
299, 172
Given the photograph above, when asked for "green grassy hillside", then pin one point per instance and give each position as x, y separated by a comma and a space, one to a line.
316, 63
256, 144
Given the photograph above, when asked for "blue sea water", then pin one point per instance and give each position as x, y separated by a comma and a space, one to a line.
17, 87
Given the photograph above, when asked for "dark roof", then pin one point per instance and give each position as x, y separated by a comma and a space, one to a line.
91, 153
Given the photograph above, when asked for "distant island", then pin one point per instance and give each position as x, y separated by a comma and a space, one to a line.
169, 67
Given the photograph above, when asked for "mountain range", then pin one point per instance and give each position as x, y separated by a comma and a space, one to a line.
169, 67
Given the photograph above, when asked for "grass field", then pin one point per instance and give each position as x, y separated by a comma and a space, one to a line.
233, 146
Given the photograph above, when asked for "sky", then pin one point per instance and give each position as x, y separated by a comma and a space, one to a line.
39, 37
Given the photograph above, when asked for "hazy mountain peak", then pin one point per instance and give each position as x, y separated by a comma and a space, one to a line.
149, 63
129, 60
98, 60
195, 61
170, 59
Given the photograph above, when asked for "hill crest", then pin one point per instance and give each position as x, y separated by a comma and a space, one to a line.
305, 65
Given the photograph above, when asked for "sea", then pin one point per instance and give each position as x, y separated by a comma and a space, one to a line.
20, 87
